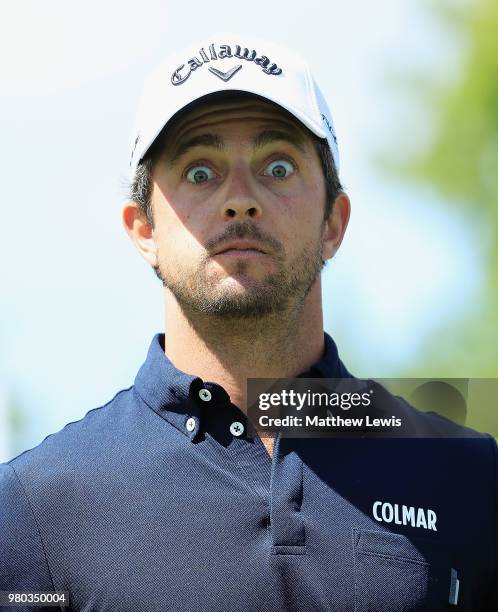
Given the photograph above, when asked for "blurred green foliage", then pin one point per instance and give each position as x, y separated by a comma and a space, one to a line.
15, 417
458, 160
16, 423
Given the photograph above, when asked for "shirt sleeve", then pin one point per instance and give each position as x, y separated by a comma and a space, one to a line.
490, 599
23, 565
494, 596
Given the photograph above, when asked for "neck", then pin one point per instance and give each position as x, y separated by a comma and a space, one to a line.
228, 351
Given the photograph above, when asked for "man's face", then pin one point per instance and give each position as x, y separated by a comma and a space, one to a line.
232, 171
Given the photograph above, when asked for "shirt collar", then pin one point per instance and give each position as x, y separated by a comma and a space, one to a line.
178, 397
329, 365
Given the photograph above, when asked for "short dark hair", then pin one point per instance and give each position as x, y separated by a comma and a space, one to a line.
141, 185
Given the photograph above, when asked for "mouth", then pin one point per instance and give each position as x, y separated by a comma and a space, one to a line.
241, 253
241, 248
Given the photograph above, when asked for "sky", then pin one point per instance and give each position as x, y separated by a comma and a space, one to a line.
79, 305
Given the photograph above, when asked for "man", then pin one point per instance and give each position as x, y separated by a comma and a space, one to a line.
167, 498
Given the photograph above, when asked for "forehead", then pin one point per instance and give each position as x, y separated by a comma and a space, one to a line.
214, 108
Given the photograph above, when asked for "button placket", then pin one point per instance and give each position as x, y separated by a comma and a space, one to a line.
248, 456
287, 524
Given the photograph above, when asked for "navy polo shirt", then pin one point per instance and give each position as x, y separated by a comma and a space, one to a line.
165, 499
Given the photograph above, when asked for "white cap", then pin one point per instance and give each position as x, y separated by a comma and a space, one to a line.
230, 62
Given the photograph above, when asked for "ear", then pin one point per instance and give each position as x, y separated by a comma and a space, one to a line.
140, 231
336, 226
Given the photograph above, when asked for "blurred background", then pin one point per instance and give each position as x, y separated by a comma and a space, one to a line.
413, 90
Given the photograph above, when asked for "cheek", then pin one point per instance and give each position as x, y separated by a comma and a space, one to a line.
178, 209
304, 212
174, 242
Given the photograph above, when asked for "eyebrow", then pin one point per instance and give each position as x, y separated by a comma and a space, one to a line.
259, 141
269, 136
203, 140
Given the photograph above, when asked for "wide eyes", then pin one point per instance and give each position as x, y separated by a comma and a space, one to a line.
199, 174
280, 168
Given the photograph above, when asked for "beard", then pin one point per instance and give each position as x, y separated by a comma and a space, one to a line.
288, 285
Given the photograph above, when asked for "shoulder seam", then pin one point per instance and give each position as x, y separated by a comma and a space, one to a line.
27, 450
36, 523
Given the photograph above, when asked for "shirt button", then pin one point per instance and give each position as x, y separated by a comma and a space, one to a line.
236, 428
205, 395
190, 424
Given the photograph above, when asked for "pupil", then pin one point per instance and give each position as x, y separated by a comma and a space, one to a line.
279, 171
200, 176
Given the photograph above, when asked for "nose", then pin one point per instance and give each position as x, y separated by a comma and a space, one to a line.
239, 201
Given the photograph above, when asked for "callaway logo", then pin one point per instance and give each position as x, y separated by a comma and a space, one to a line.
180, 75
225, 76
